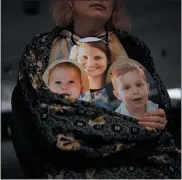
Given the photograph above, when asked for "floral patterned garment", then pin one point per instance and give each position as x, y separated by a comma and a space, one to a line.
116, 146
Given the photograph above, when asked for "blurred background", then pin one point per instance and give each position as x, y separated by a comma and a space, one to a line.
157, 23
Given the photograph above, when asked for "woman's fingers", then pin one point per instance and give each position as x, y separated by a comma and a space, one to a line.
154, 125
157, 112
155, 119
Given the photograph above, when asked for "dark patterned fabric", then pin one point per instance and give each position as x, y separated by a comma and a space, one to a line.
66, 137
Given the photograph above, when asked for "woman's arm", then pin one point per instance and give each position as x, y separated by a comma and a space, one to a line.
24, 136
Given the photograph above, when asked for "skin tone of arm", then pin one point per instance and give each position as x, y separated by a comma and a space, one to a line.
154, 119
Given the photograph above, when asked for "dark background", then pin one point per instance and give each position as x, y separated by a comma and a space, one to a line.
156, 22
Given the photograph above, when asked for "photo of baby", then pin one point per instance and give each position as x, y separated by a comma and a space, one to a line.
65, 76
131, 88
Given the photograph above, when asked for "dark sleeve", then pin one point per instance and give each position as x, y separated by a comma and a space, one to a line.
24, 137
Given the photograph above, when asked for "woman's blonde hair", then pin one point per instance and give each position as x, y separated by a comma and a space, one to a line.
63, 14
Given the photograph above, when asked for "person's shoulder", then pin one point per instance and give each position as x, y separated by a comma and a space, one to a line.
43, 41
47, 36
130, 39
135, 48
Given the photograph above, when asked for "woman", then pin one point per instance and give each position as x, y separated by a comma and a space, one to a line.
94, 55
52, 133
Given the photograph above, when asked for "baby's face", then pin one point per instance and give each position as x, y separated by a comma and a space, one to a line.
132, 89
65, 80
93, 60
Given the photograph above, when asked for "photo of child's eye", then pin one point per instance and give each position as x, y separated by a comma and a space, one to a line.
67, 77
131, 88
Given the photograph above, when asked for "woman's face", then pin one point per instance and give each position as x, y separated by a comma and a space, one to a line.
93, 60
93, 8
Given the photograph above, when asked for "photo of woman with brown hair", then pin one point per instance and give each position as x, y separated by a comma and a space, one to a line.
95, 56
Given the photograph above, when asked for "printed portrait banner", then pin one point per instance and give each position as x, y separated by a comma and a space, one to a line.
96, 60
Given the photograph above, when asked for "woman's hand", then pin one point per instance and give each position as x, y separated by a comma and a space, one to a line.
155, 119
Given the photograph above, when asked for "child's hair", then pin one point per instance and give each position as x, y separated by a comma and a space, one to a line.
125, 68
65, 64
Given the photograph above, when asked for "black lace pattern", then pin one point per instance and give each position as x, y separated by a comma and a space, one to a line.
120, 147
